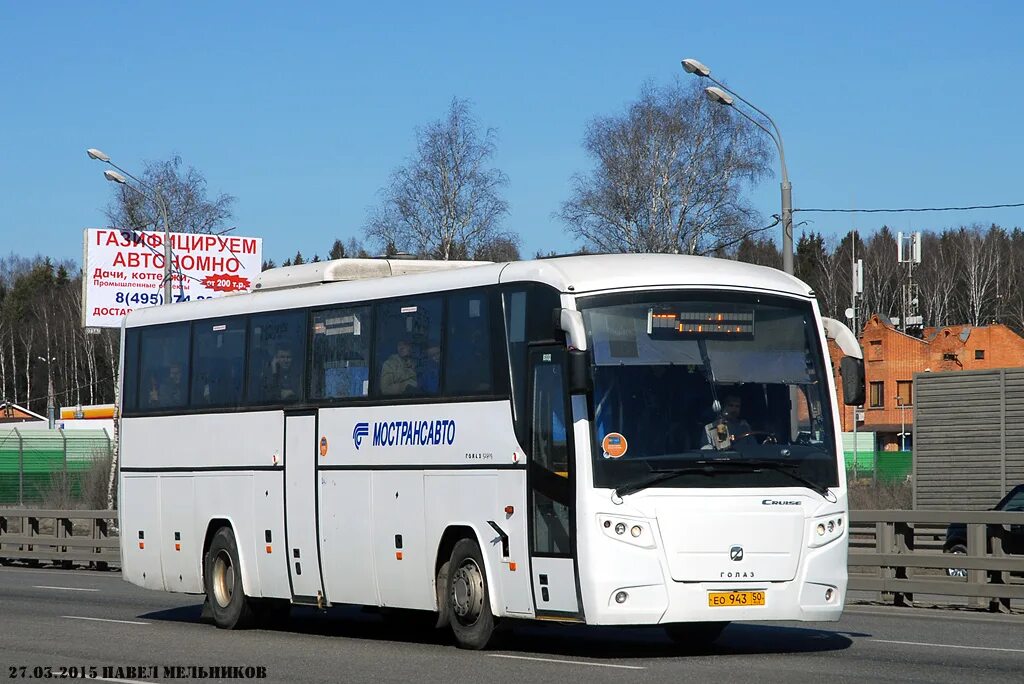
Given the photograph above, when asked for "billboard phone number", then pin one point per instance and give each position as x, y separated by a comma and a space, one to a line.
144, 298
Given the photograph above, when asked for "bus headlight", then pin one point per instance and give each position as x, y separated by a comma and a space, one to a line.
825, 529
640, 531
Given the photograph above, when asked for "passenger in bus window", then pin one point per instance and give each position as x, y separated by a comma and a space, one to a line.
168, 392
284, 380
429, 372
398, 374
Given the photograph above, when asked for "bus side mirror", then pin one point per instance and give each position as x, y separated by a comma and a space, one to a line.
852, 371
580, 381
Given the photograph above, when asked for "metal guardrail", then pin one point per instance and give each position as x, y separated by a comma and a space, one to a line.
36, 535
899, 553
893, 553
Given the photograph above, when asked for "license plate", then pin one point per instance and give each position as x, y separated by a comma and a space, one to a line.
720, 599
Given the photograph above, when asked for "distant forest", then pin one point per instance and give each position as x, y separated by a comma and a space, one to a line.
968, 275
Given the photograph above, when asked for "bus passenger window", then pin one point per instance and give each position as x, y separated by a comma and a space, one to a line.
130, 375
468, 345
276, 357
339, 367
218, 356
163, 367
409, 347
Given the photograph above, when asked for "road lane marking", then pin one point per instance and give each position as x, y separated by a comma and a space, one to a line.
971, 648
567, 662
123, 622
43, 586
54, 572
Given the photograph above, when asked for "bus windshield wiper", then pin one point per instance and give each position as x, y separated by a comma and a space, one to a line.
787, 469
712, 467
662, 476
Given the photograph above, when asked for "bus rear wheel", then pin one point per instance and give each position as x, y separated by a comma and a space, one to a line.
469, 602
222, 576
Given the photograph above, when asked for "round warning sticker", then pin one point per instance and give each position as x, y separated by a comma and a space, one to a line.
323, 446
614, 445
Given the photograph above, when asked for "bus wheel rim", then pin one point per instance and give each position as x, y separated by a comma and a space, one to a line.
467, 592
223, 579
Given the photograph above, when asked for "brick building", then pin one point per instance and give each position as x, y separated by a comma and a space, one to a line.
891, 358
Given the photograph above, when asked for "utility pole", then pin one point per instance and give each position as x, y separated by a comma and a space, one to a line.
908, 251
856, 287
50, 398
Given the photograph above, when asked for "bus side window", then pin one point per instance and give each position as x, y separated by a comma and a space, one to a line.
277, 344
130, 374
163, 367
468, 345
409, 347
339, 367
218, 357
528, 318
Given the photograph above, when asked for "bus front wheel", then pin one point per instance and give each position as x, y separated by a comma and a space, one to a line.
222, 575
469, 604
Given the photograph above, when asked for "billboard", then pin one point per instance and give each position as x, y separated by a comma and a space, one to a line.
124, 270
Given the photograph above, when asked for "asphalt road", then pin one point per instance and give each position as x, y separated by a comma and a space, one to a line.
81, 618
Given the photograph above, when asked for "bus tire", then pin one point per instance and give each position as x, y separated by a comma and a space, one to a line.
441, 586
469, 602
694, 634
222, 576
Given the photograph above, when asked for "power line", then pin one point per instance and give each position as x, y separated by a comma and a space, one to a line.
903, 210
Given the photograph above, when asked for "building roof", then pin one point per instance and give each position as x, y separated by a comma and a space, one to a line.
12, 413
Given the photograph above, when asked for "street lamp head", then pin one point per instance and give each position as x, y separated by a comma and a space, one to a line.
97, 154
114, 177
716, 94
692, 66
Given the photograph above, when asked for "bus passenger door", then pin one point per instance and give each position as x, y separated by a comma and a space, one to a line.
300, 504
552, 492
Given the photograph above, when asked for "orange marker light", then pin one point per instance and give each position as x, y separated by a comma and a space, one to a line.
512, 567
398, 555
268, 548
177, 547
509, 510
142, 545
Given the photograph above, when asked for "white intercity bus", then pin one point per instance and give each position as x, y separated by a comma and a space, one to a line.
610, 440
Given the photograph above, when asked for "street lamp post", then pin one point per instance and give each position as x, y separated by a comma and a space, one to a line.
903, 423
157, 198
692, 66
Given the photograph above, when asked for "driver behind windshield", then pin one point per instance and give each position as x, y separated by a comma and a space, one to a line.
723, 432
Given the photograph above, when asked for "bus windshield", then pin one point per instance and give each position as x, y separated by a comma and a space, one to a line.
708, 390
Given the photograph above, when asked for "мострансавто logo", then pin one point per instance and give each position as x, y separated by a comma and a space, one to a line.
388, 433
361, 430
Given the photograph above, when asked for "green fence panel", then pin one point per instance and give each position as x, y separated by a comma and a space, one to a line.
35, 462
895, 465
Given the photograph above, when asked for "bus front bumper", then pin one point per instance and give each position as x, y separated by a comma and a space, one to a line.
815, 595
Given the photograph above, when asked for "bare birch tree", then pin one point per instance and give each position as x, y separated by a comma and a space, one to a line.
189, 210
669, 176
936, 277
980, 257
883, 275
445, 203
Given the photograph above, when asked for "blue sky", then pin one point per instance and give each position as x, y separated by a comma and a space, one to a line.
301, 110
